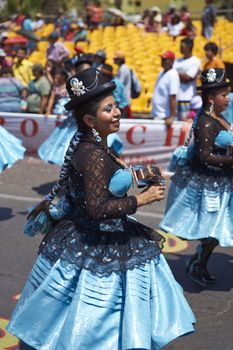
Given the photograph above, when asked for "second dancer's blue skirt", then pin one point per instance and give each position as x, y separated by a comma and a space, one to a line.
53, 149
65, 308
11, 149
200, 205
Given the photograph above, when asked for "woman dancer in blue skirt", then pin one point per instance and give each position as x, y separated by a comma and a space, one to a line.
100, 280
200, 200
11, 149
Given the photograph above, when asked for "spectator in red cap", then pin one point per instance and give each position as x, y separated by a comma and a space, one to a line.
166, 90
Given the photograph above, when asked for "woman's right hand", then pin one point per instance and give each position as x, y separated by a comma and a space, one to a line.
150, 194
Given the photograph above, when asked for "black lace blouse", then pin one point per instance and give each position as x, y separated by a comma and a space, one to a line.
92, 172
98, 234
207, 153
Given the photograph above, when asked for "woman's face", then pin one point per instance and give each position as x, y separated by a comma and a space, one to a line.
209, 54
220, 100
107, 120
37, 74
49, 65
59, 79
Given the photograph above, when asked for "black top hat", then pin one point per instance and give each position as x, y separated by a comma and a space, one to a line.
85, 85
213, 78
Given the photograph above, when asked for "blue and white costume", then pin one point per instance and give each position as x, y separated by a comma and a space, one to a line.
11, 149
200, 200
100, 280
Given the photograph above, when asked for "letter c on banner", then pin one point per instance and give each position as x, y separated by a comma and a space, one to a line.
130, 132
29, 127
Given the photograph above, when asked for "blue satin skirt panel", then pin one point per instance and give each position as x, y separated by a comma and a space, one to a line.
11, 149
62, 308
200, 209
53, 149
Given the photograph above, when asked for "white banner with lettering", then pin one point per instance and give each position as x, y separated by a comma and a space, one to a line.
144, 140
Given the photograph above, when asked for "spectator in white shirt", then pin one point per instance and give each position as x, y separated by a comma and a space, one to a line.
166, 90
175, 27
38, 22
188, 68
124, 73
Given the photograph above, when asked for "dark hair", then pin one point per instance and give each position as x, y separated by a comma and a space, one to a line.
89, 108
188, 42
184, 8
55, 66
175, 19
211, 46
67, 63
6, 70
63, 73
107, 70
22, 48
121, 60
38, 68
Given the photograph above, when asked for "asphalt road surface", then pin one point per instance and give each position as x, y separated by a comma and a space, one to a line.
28, 181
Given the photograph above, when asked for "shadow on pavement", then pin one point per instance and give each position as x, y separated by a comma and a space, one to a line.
221, 265
24, 213
5, 213
44, 189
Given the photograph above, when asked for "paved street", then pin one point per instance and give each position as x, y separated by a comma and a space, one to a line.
27, 182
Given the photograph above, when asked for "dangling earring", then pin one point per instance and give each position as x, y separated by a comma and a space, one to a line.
96, 135
211, 109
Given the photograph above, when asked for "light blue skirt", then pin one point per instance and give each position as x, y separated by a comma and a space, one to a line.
200, 206
11, 149
64, 308
53, 150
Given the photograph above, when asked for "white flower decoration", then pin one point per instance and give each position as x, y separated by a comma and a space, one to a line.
211, 75
77, 87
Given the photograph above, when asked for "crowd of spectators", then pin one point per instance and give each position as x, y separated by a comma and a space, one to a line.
38, 88
175, 94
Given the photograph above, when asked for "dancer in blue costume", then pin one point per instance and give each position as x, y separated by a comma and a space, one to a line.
53, 149
100, 280
200, 199
11, 149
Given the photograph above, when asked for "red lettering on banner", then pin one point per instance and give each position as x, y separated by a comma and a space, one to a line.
58, 121
129, 134
169, 135
182, 136
2, 121
24, 127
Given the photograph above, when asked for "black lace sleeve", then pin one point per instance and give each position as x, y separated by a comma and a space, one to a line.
96, 168
205, 133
